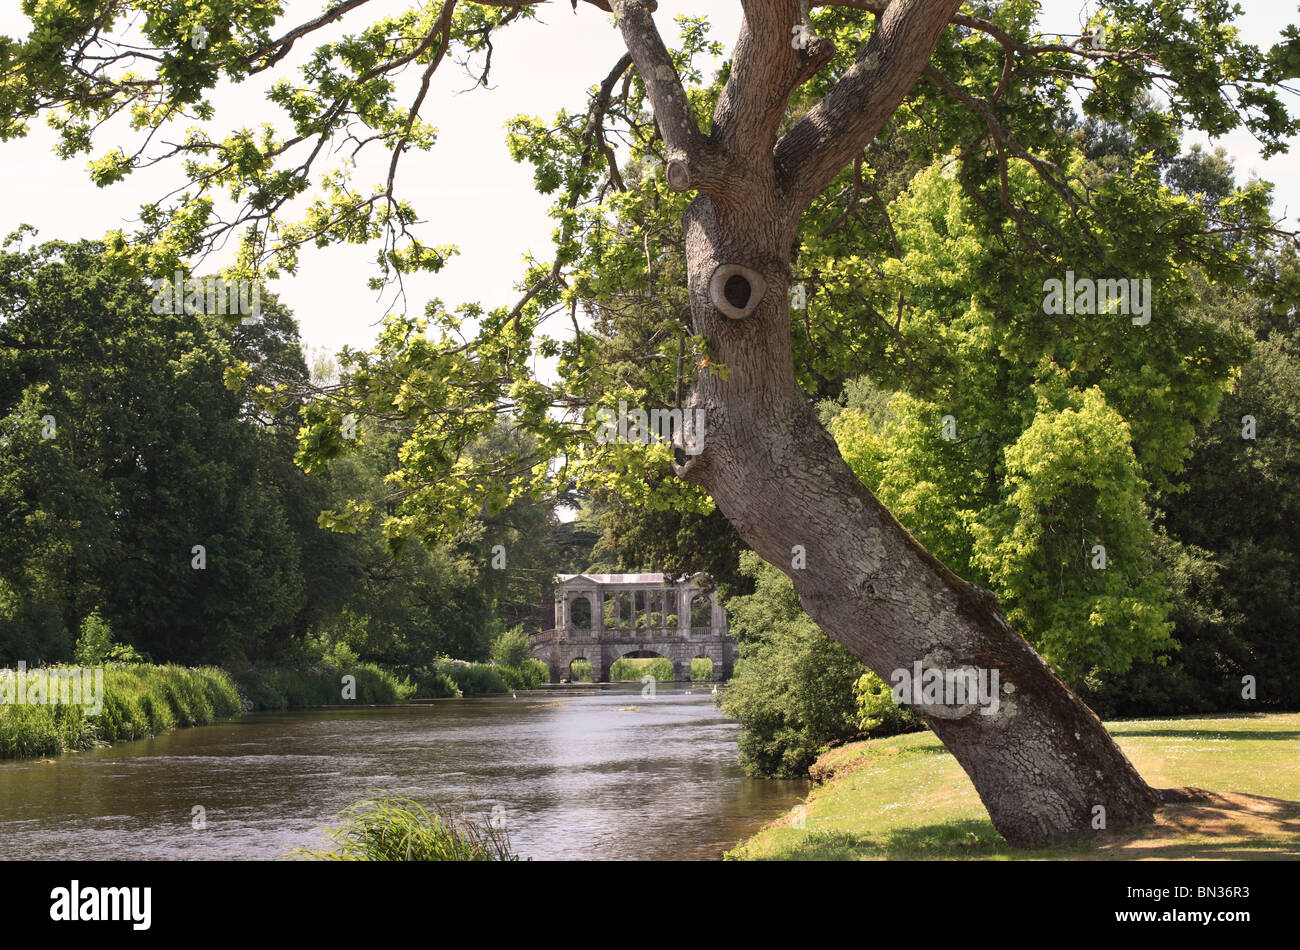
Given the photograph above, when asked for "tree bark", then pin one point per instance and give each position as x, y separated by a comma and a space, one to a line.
1041, 762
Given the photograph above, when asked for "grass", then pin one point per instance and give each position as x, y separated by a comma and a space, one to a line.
580, 671
275, 687
635, 668
631, 668
399, 829
906, 798
529, 674
473, 679
139, 700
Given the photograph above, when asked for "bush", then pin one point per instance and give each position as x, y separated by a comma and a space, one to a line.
433, 684
637, 668
580, 671
530, 674
472, 679
878, 714
792, 691
94, 641
512, 648
398, 829
273, 687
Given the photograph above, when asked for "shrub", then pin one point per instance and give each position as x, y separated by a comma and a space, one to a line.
512, 648
580, 671
792, 691
94, 641
472, 679
274, 687
530, 674
637, 668
433, 684
878, 714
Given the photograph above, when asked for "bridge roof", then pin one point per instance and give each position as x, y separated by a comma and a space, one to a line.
614, 579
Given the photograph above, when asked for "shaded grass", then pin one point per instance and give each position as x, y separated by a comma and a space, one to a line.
399, 829
473, 679
905, 797
139, 700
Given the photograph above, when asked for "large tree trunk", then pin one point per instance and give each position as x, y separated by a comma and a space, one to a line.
1041, 763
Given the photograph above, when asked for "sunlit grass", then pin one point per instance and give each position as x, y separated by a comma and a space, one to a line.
139, 700
905, 797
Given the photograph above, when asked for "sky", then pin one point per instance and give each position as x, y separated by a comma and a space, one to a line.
467, 189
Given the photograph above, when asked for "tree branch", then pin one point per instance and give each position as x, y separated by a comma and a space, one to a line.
692, 160
766, 68
827, 138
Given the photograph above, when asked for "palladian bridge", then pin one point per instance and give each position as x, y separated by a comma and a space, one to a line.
603, 617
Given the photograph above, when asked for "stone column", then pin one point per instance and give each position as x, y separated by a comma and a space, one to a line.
597, 600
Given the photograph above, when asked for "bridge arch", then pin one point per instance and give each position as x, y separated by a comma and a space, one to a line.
580, 669
618, 671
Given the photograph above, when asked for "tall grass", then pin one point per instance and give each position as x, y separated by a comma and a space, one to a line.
580, 671
473, 679
276, 687
661, 668
529, 674
636, 668
399, 829
140, 700
432, 683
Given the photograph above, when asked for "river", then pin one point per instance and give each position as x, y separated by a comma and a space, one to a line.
592, 774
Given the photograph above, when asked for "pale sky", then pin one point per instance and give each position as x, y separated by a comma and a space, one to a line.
467, 188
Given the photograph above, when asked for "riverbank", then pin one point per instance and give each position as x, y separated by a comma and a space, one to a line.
117, 702
906, 798
112, 703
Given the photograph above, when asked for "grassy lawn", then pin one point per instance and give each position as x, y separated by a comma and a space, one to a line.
905, 797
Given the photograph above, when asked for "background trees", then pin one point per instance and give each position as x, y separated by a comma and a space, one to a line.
129, 436
148, 456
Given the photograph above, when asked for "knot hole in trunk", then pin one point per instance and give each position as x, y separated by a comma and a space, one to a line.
736, 290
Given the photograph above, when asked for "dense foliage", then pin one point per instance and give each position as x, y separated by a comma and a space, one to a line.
128, 437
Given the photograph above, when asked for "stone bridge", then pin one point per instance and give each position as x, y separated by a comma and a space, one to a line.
603, 617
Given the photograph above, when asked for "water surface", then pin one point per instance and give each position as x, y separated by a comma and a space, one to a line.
581, 774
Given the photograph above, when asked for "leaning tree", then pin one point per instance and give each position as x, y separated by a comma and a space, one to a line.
801, 98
